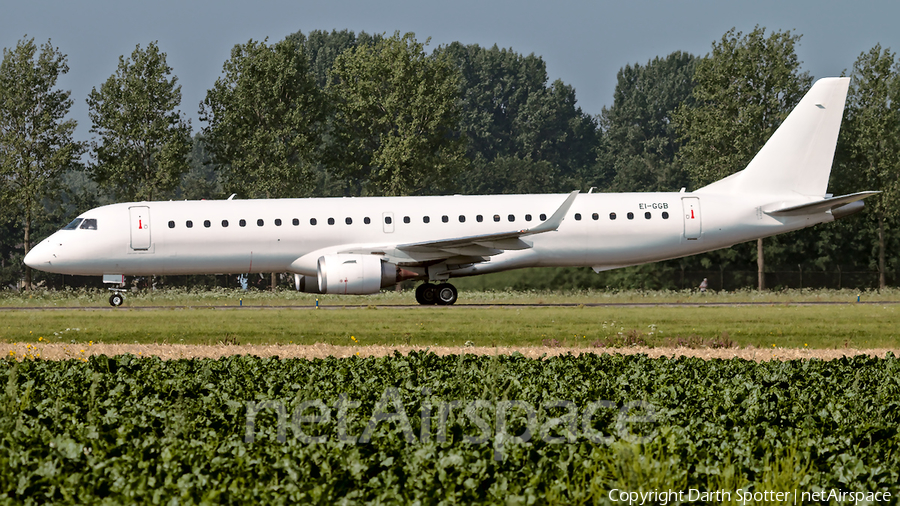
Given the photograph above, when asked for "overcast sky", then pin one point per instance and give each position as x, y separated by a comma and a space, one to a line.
583, 43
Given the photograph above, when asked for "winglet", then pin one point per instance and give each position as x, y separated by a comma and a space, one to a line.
554, 221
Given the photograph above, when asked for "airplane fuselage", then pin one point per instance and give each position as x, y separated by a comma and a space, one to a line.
600, 230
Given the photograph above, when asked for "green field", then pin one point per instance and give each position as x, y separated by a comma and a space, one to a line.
112, 430
781, 325
126, 430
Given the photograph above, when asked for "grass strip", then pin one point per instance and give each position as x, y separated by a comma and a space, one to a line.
777, 325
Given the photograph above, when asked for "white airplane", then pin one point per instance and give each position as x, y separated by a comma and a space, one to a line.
361, 245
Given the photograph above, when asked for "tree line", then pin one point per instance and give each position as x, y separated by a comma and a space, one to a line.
344, 114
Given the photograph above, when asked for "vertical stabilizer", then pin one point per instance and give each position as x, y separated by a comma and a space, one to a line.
797, 158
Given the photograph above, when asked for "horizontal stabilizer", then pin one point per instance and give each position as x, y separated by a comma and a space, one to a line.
820, 206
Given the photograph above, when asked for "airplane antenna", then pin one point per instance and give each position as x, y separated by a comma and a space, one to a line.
233, 195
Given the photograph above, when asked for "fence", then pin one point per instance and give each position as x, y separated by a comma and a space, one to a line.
780, 277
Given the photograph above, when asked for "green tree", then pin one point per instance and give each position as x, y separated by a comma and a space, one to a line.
510, 115
201, 180
143, 140
743, 90
508, 174
36, 145
871, 137
396, 112
639, 139
264, 119
322, 48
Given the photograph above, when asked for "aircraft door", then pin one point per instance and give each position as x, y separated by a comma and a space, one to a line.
140, 227
388, 220
692, 223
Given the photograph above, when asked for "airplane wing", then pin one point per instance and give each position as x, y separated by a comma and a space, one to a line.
466, 249
491, 244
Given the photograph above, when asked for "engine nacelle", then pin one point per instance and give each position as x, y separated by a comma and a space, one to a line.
308, 284
354, 274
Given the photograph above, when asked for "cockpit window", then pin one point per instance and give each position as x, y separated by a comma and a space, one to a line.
73, 224
89, 224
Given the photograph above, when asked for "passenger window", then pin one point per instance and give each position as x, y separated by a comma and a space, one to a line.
207, 223
445, 218
543, 217
577, 216
612, 216
511, 218
312, 221
295, 222
665, 215
73, 224
387, 220
277, 222
171, 224
595, 216
406, 219
479, 218
462, 219
366, 220
496, 217
89, 224
224, 223
331, 221
630, 216
189, 224
647, 215
527, 217
259, 223
242, 223
348, 220
426, 219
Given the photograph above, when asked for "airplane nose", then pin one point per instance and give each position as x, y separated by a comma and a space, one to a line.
41, 255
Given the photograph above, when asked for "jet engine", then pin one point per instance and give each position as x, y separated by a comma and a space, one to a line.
349, 274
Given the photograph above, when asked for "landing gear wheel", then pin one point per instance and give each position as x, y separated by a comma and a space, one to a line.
426, 294
446, 294
116, 299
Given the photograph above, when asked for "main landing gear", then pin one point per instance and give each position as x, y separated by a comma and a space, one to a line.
442, 294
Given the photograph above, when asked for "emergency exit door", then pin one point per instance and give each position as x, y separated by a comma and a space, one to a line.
140, 227
692, 223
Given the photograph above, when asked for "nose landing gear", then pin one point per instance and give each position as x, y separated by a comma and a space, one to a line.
443, 294
116, 299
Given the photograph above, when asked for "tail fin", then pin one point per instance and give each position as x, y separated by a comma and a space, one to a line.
797, 158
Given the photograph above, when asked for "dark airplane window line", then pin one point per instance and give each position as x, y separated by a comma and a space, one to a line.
407, 220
